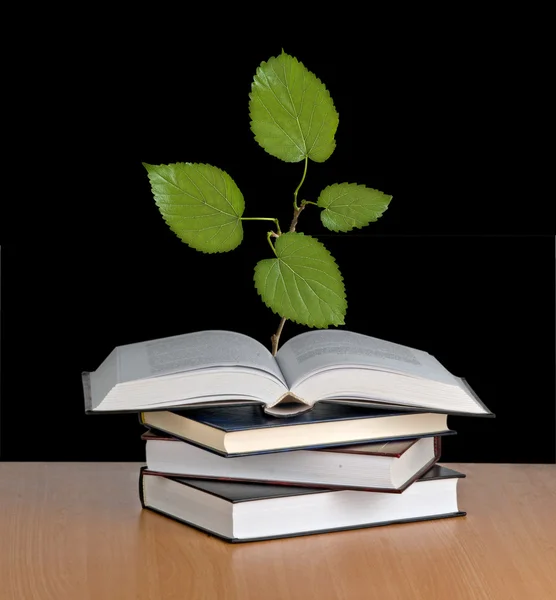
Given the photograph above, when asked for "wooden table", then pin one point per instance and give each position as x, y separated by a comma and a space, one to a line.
76, 531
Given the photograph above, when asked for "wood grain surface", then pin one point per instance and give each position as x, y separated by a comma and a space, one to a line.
76, 531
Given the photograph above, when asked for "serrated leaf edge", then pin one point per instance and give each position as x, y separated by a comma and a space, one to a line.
343, 296
193, 164
327, 93
200, 164
332, 185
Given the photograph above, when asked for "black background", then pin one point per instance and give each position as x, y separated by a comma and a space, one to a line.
462, 264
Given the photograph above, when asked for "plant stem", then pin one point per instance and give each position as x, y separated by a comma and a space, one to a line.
296, 214
300, 184
263, 219
276, 337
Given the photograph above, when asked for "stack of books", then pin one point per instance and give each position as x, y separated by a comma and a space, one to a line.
337, 431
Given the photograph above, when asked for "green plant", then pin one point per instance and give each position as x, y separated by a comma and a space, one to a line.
293, 118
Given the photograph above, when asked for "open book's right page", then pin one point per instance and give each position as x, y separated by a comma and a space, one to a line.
314, 351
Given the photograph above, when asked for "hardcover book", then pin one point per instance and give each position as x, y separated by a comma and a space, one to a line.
240, 430
221, 367
384, 466
241, 512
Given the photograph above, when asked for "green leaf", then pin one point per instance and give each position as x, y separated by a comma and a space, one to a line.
292, 114
303, 283
200, 203
350, 205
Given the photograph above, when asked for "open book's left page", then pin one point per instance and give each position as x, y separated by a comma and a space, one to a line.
194, 351
197, 351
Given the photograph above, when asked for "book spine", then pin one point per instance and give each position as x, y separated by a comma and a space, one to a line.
142, 487
288, 405
437, 448
86, 383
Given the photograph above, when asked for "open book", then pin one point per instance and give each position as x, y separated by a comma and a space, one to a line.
217, 367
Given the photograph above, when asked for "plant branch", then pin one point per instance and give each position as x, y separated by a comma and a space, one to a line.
275, 338
296, 214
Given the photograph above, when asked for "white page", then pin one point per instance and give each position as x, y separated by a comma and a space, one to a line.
317, 350
198, 350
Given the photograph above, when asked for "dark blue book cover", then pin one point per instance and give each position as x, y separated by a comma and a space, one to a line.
242, 418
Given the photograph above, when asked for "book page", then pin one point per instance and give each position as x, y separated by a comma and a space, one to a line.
192, 351
310, 352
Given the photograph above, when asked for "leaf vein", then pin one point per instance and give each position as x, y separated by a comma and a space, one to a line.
197, 229
278, 125
217, 190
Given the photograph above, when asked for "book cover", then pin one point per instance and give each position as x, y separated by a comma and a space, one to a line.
250, 417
